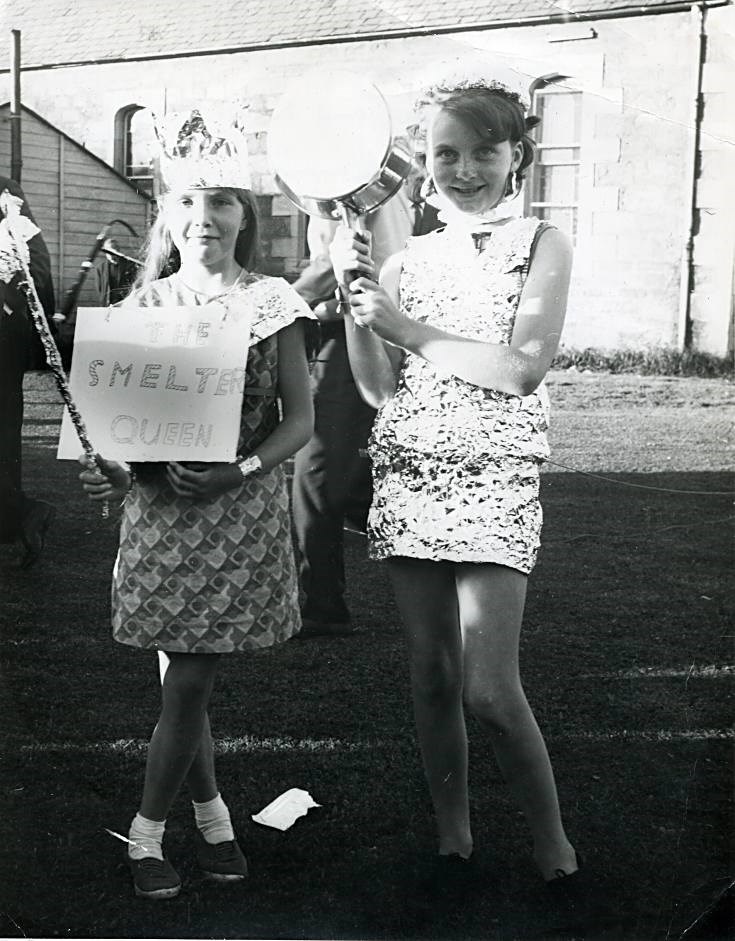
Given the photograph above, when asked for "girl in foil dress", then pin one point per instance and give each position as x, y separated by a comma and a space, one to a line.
205, 563
452, 347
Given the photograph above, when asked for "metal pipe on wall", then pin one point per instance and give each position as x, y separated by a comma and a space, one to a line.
16, 151
688, 276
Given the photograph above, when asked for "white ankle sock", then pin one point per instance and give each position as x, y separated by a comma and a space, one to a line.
145, 838
213, 819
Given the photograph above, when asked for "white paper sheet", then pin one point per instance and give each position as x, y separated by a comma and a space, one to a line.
285, 810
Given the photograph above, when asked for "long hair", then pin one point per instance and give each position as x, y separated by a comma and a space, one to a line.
162, 257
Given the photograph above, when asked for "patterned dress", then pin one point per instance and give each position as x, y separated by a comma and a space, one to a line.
455, 465
214, 575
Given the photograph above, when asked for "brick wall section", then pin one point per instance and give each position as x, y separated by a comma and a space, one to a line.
281, 237
636, 149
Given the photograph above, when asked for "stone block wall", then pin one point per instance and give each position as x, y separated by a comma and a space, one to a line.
637, 77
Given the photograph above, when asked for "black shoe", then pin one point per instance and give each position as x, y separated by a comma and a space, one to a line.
579, 903
154, 878
448, 880
33, 528
221, 862
434, 892
313, 628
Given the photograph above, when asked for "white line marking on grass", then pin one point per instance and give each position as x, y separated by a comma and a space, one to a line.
709, 671
252, 744
223, 746
655, 735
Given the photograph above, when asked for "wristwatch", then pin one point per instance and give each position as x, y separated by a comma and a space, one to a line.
249, 465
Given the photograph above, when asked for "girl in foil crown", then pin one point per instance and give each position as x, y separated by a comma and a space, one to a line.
452, 347
205, 563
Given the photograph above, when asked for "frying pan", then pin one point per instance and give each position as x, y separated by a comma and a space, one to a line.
331, 146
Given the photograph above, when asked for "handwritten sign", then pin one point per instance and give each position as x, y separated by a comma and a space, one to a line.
158, 383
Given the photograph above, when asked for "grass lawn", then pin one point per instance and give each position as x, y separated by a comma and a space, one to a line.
627, 659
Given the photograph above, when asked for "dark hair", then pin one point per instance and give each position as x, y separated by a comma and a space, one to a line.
494, 114
162, 257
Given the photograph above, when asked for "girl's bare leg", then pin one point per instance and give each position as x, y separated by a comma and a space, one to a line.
201, 778
491, 602
178, 736
426, 595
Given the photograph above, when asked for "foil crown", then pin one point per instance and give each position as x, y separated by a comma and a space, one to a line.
202, 148
458, 80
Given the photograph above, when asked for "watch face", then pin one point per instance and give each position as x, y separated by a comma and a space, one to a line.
250, 465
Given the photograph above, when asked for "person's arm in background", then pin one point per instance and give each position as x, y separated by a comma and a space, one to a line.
389, 227
40, 265
316, 284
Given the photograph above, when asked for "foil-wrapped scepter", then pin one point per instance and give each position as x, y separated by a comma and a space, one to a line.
16, 230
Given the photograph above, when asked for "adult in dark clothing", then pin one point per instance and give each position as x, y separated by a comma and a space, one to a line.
114, 274
21, 518
332, 484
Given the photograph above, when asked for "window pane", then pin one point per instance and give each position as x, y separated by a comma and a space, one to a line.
554, 178
560, 117
556, 184
554, 155
140, 144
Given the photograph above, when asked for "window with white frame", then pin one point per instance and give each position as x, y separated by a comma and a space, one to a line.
552, 192
135, 146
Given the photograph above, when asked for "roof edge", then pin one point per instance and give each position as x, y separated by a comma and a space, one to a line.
75, 143
623, 11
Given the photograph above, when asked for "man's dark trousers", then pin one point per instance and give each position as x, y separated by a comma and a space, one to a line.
332, 480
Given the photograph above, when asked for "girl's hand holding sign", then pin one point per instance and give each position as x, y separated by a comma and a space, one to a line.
104, 480
200, 481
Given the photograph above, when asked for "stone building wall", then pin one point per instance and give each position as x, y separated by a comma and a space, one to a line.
637, 75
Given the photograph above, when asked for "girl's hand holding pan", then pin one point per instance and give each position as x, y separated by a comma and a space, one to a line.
372, 308
350, 256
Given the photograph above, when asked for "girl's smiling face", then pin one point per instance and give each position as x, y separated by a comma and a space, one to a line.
469, 170
205, 225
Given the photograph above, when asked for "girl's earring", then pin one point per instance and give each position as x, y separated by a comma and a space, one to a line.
512, 186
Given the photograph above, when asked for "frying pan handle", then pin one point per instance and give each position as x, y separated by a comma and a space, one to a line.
354, 221
350, 218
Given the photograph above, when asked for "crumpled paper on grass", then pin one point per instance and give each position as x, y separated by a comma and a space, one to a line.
285, 810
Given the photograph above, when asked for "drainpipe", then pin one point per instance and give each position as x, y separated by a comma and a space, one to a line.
16, 159
685, 321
